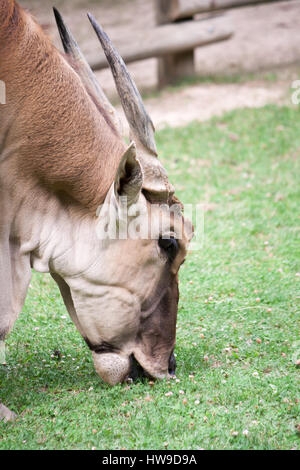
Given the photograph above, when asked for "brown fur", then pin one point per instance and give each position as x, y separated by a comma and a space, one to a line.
10, 17
65, 142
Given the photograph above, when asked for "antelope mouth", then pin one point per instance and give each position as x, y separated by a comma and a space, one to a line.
114, 367
137, 371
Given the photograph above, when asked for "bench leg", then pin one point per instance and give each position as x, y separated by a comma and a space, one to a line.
172, 68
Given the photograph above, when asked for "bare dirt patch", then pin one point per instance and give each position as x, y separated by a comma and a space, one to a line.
200, 102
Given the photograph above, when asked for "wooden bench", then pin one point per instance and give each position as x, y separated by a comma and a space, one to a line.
173, 10
177, 34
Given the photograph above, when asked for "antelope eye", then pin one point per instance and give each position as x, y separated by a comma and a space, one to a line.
170, 246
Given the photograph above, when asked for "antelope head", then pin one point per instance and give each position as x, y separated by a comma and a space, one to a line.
127, 302
114, 257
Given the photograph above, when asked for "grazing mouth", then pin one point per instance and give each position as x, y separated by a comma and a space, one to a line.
136, 370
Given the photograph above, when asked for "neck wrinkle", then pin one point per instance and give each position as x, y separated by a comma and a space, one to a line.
58, 238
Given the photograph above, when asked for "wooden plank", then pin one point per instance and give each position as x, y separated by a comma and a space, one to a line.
168, 39
171, 10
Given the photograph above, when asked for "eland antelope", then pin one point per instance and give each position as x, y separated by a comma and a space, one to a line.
63, 159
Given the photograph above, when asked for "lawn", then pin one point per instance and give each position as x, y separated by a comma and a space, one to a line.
238, 339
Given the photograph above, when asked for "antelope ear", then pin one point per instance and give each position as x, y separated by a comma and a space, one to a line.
129, 178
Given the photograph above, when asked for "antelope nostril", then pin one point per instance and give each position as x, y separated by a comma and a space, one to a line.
172, 365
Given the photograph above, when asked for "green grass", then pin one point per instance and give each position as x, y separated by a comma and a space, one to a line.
246, 166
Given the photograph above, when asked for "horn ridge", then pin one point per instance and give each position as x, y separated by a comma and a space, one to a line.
67, 39
139, 121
